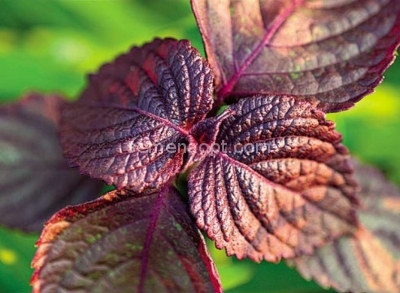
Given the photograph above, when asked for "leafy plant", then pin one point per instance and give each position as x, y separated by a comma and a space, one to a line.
237, 146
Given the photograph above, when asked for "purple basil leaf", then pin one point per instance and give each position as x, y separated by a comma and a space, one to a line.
124, 242
35, 179
133, 110
369, 261
276, 182
329, 52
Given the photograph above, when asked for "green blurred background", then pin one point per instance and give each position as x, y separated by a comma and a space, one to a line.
50, 46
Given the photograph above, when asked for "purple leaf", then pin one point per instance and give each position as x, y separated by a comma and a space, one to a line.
276, 181
331, 53
35, 179
130, 123
369, 261
124, 242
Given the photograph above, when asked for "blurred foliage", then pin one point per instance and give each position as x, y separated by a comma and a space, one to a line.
370, 130
50, 46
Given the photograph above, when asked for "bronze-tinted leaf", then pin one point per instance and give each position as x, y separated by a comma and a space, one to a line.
369, 261
276, 182
329, 52
124, 242
35, 180
129, 124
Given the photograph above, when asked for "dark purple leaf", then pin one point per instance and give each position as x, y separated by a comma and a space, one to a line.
124, 242
369, 261
331, 53
35, 179
130, 123
276, 181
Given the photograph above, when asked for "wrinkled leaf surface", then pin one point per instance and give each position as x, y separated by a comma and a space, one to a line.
329, 52
130, 124
276, 181
124, 242
369, 261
